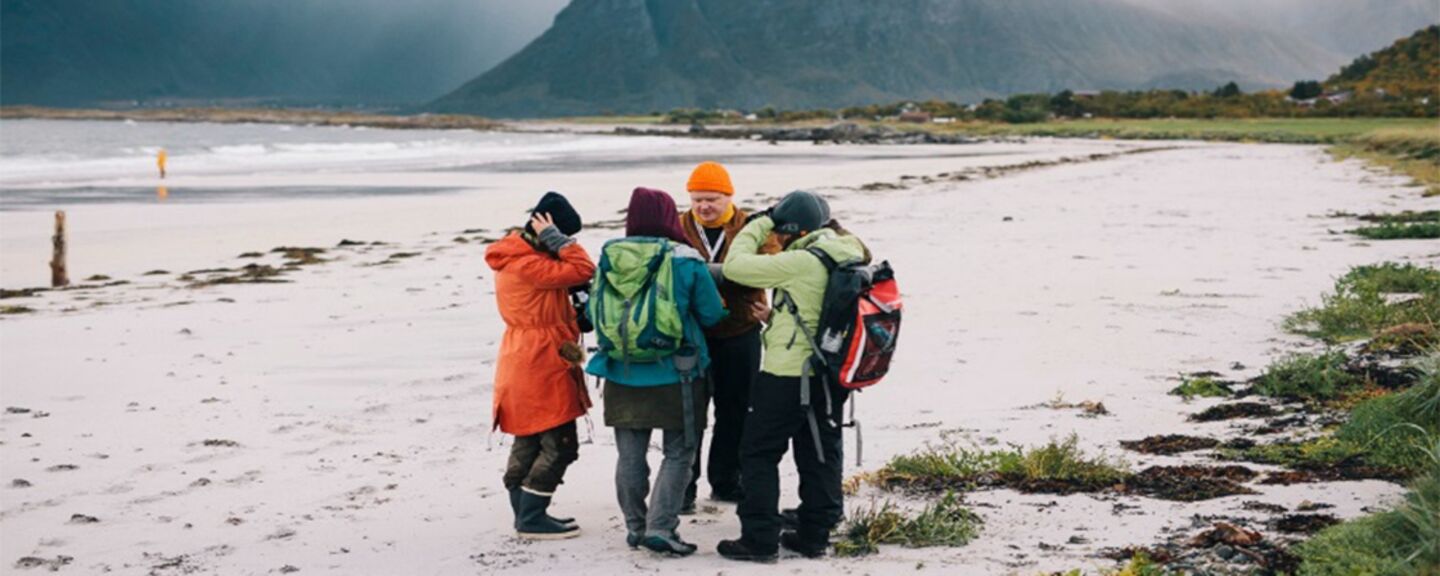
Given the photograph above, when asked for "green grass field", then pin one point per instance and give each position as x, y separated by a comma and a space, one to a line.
1409, 146
1280, 130
603, 120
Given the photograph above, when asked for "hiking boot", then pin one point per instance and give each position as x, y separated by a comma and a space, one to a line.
632, 539
688, 508
533, 523
790, 519
671, 545
731, 495
791, 540
515, 507
742, 551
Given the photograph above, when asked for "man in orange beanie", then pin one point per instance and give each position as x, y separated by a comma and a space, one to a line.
734, 344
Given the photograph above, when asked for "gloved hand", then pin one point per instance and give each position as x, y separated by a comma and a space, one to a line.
553, 239
547, 234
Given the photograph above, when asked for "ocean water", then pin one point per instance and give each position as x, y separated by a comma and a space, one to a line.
81, 160
52, 163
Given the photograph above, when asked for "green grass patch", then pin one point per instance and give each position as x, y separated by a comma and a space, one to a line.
1399, 231
1322, 452
602, 120
1388, 432
1308, 377
1359, 307
1390, 278
1062, 462
942, 523
1401, 430
1277, 130
1408, 216
1056, 467
1393, 430
1401, 541
1410, 150
1204, 386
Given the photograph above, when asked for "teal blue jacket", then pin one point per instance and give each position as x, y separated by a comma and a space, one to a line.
700, 307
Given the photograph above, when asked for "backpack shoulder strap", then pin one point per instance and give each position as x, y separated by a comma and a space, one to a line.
830, 263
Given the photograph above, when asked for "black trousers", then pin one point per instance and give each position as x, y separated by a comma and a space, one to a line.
734, 363
776, 422
538, 461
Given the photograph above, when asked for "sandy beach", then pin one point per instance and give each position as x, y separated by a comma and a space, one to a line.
338, 422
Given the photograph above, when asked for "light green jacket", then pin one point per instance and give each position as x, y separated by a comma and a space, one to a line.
798, 273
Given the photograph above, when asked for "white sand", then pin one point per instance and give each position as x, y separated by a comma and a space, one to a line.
360, 395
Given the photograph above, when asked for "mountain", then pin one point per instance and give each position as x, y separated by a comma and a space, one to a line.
644, 55
1410, 67
335, 52
1343, 27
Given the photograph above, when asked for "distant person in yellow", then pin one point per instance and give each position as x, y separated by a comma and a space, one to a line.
160, 162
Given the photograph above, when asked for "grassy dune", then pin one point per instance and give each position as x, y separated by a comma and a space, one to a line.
1410, 150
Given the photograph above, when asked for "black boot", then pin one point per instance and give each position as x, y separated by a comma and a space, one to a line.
532, 522
791, 540
515, 507
733, 494
742, 551
790, 519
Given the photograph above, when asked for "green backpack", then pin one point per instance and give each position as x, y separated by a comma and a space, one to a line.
633, 303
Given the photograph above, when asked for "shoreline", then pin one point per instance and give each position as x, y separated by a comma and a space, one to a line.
127, 238
258, 116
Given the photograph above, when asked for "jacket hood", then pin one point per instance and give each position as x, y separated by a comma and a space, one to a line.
508, 250
841, 247
652, 213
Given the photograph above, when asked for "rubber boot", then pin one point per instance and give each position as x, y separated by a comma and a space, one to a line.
532, 523
515, 507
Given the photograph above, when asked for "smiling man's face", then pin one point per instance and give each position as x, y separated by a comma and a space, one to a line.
709, 206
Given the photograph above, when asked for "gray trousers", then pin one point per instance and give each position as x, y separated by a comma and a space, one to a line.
632, 481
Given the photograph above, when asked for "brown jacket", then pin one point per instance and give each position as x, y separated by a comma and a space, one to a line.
738, 299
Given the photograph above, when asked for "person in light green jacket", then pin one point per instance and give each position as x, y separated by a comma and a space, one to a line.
781, 407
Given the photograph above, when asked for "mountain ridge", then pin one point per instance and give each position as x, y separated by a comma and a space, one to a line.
635, 56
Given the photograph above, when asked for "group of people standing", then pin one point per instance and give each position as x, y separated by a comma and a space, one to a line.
680, 309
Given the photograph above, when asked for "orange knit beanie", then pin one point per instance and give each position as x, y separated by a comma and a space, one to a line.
710, 177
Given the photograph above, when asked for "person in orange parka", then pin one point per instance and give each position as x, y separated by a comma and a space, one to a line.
539, 388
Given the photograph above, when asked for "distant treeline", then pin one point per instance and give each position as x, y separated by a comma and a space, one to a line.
1400, 81
1305, 100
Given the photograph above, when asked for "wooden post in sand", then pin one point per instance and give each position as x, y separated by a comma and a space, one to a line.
59, 276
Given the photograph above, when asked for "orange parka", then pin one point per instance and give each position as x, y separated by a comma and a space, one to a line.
535, 388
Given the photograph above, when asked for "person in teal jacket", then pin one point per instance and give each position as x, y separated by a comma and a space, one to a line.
641, 396
778, 413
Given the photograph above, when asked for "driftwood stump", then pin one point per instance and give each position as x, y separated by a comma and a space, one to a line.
59, 276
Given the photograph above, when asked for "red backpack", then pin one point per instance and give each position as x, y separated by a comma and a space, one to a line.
859, 322
855, 338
